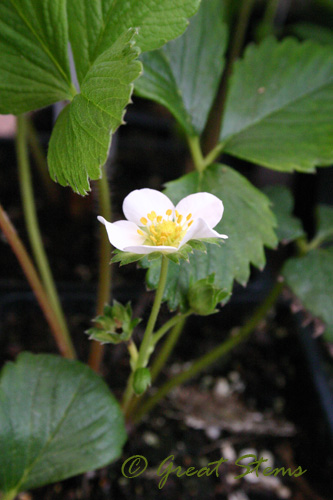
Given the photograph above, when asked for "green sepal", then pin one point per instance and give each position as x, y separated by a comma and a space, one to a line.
141, 380
154, 256
115, 324
125, 257
204, 296
198, 245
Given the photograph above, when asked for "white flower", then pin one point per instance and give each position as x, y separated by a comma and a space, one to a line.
154, 224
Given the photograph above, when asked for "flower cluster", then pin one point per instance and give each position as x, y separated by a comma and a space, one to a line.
154, 224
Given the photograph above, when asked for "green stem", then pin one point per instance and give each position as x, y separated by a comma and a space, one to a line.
146, 342
215, 354
201, 162
133, 352
104, 272
164, 353
146, 347
177, 322
240, 32
167, 326
212, 131
266, 27
40, 160
30, 272
195, 148
315, 243
33, 228
213, 154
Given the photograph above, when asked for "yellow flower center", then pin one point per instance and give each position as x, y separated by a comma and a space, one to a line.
164, 231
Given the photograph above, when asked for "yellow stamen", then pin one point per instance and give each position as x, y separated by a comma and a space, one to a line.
164, 230
190, 223
152, 216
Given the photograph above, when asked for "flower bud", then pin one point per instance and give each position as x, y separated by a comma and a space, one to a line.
204, 296
115, 325
141, 380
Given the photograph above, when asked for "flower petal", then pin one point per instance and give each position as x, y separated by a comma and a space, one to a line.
141, 202
202, 205
122, 233
145, 249
198, 230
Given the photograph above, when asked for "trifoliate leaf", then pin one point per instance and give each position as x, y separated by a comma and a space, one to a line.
185, 74
81, 137
34, 65
94, 26
279, 107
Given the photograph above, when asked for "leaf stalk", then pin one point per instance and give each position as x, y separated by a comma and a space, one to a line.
64, 344
146, 345
105, 270
33, 230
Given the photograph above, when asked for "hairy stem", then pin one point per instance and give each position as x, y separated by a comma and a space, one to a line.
167, 326
163, 355
33, 227
104, 272
266, 27
146, 347
40, 159
195, 148
65, 346
213, 127
212, 356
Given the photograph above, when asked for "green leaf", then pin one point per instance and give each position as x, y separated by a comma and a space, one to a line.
311, 279
57, 419
34, 67
324, 215
312, 31
279, 106
81, 137
94, 26
185, 74
289, 228
247, 220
